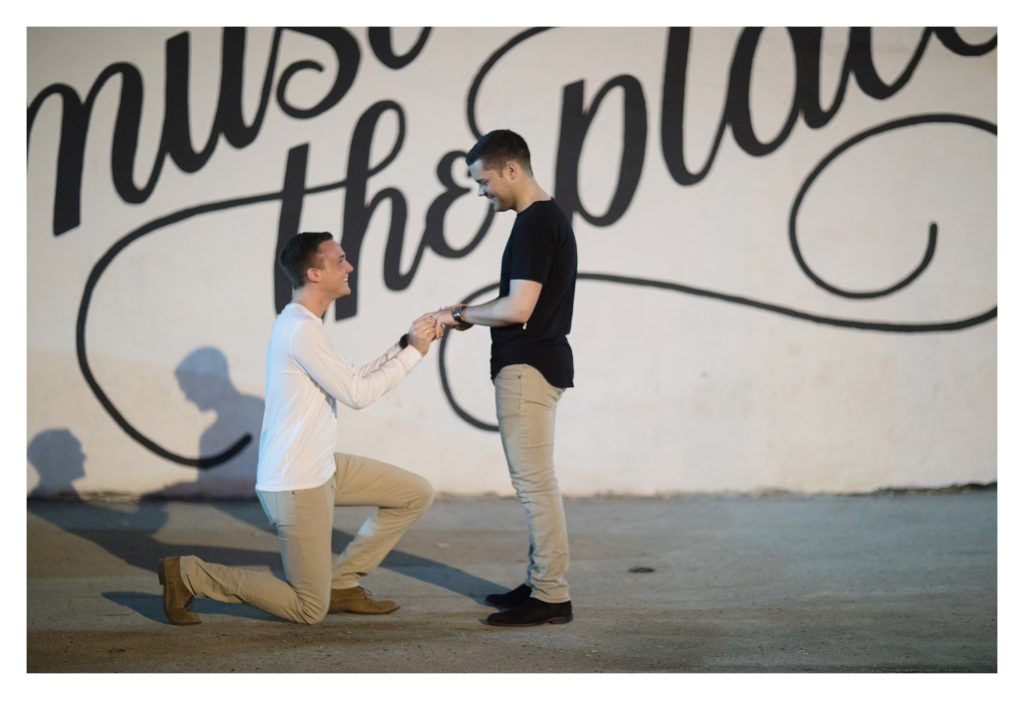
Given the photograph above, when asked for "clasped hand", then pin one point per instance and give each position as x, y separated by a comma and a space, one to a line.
445, 318
424, 331
430, 327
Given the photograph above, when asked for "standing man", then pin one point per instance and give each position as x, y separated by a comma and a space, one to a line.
300, 477
531, 365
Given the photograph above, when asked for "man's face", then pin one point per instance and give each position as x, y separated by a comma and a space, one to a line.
493, 185
334, 269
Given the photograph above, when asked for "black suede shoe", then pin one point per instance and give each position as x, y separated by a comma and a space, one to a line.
533, 612
511, 598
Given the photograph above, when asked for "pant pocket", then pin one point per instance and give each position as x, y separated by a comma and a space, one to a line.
508, 391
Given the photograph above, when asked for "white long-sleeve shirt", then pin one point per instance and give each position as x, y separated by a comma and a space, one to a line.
305, 380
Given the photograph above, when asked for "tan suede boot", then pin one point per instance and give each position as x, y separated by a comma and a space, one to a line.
359, 601
177, 598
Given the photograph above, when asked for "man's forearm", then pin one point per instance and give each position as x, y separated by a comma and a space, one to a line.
510, 310
499, 312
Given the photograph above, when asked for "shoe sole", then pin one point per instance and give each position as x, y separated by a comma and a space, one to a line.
365, 612
552, 621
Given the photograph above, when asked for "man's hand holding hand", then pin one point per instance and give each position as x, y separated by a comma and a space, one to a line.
444, 317
424, 331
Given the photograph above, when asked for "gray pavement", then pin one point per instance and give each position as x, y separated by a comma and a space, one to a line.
777, 583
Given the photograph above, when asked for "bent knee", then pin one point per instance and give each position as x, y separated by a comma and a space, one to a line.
312, 612
311, 616
421, 495
424, 495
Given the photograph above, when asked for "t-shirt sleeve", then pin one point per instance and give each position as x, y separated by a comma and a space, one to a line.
531, 253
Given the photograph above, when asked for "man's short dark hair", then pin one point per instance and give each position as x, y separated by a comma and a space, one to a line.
498, 147
300, 253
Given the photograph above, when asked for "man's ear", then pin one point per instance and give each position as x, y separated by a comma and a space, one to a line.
312, 275
513, 170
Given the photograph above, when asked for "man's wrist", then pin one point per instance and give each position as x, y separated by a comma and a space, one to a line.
459, 316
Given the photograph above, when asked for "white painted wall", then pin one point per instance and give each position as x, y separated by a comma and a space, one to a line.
674, 391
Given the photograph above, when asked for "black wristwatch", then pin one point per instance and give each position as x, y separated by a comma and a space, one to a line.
457, 315
403, 342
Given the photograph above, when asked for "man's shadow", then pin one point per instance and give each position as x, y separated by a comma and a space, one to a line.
205, 381
130, 531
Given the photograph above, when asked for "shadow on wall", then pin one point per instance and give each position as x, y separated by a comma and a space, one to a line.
204, 379
58, 457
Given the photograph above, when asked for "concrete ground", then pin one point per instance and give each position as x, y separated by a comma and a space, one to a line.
779, 583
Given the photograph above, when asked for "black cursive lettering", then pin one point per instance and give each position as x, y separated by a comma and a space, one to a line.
178, 142
357, 211
576, 120
380, 43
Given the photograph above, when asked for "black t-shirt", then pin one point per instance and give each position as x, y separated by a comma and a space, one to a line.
541, 248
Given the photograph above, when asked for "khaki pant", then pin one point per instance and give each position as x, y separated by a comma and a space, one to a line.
526, 405
304, 522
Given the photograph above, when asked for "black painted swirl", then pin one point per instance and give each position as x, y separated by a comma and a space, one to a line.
884, 326
486, 67
932, 230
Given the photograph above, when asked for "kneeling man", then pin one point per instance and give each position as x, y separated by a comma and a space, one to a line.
300, 477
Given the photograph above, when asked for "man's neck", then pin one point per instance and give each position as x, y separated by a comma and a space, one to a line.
315, 303
532, 193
